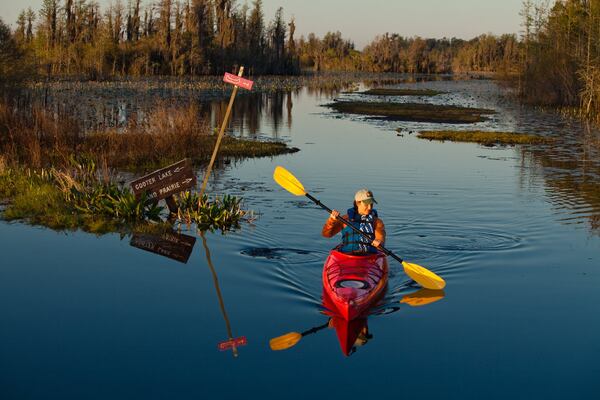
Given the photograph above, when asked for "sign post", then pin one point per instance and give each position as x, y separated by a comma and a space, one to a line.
236, 81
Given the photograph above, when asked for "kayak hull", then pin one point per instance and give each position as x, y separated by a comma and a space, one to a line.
352, 284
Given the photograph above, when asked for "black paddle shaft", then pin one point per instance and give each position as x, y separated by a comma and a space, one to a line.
354, 228
315, 329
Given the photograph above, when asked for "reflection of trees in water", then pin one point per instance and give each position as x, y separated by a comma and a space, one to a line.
101, 105
246, 113
570, 168
289, 105
115, 110
252, 108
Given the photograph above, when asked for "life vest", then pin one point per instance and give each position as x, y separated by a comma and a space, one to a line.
353, 242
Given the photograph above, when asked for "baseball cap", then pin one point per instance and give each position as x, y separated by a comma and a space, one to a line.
365, 195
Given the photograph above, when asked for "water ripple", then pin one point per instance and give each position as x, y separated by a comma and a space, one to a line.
449, 238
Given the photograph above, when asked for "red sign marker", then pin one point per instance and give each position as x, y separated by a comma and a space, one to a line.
238, 81
241, 341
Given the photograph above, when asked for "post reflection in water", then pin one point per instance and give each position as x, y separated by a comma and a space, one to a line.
178, 247
355, 333
232, 343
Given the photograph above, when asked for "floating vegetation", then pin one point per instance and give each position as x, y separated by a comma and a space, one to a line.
417, 112
81, 198
402, 92
484, 138
167, 85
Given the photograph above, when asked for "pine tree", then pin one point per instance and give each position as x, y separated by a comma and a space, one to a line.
256, 37
30, 16
20, 33
277, 43
202, 37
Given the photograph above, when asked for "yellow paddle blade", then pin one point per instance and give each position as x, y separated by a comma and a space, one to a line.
422, 297
285, 342
423, 277
288, 181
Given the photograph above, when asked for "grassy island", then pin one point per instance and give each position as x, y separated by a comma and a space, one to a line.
482, 137
80, 197
417, 112
402, 92
54, 174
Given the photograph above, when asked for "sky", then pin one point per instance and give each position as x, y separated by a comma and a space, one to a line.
362, 20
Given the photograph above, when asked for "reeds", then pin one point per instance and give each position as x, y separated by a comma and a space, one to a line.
37, 138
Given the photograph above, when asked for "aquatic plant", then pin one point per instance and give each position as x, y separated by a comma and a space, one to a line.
419, 112
484, 137
84, 197
224, 212
401, 92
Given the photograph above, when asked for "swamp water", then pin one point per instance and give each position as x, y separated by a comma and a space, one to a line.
515, 232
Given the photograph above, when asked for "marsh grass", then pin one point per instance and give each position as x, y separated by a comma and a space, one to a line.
81, 197
139, 151
484, 138
37, 138
417, 112
401, 92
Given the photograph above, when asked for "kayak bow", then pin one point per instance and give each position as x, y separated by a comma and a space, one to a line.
352, 283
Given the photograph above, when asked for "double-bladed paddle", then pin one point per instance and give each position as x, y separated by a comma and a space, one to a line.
419, 274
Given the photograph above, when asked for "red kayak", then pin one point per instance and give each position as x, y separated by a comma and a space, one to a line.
351, 284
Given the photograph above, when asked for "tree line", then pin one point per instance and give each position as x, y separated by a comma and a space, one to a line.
202, 37
556, 61
561, 55
164, 37
395, 53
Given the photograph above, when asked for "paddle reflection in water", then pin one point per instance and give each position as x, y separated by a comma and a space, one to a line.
355, 333
232, 343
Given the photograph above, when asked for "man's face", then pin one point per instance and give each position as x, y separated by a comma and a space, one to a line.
364, 207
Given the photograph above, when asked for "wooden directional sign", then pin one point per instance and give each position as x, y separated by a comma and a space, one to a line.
238, 81
166, 182
172, 245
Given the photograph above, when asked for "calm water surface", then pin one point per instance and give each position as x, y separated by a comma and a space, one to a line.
514, 231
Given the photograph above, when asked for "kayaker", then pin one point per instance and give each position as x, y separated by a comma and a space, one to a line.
363, 216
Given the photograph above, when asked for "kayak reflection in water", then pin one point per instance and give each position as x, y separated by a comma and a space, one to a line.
363, 337
351, 334
364, 217
355, 333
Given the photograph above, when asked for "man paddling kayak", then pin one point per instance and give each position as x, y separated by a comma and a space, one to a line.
363, 216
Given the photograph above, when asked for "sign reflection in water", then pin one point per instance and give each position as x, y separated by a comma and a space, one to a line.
170, 244
178, 247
